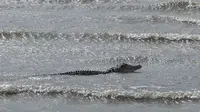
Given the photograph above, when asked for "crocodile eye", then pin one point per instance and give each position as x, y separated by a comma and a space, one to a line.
122, 66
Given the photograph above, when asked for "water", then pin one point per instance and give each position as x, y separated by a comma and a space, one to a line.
51, 36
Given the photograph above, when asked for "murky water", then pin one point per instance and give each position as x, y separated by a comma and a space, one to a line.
52, 36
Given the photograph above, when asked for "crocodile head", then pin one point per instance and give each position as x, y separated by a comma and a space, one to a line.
125, 68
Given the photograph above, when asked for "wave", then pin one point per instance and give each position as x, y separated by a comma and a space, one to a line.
104, 95
181, 20
47, 1
175, 5
101, 37
126, 5
143, 60
164, 6
121, 59
158, 19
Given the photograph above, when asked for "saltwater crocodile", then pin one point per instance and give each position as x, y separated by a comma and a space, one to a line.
123, 68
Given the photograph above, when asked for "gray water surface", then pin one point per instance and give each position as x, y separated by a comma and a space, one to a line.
51, 36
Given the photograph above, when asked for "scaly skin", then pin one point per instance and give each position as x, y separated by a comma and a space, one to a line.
123, 68
82, 72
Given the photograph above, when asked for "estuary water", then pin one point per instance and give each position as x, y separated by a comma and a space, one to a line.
52, 36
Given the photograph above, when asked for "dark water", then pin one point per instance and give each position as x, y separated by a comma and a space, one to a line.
51, 36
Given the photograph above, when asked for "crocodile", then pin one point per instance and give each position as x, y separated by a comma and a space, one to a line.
122, 68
